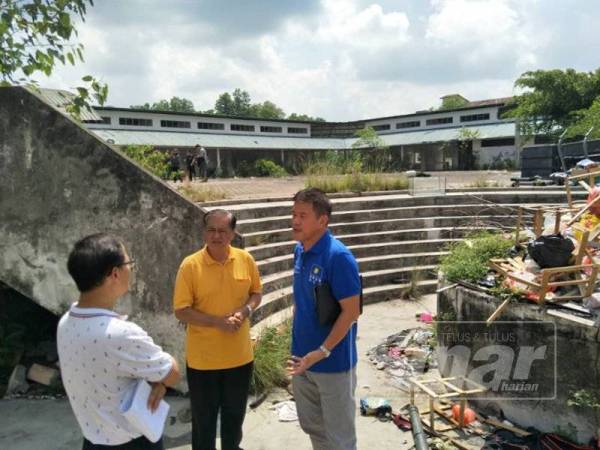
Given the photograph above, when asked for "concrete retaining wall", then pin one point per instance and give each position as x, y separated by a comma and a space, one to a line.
577, 360
60, 183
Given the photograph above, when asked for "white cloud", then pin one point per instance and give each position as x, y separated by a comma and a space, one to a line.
345, 24
338, 59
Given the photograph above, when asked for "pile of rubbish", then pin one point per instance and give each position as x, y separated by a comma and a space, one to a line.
556, 263
405, 354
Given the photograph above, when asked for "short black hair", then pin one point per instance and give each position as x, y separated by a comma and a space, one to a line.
93, 258
214, 212
317, 198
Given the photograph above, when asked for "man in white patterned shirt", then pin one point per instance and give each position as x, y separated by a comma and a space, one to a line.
101, 354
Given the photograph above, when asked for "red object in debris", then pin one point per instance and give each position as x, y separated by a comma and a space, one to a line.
426, 317
595, 209
469, 414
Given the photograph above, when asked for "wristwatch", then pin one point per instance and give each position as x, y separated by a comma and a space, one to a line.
325, 351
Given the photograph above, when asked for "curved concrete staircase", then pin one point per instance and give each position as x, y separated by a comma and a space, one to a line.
397, 239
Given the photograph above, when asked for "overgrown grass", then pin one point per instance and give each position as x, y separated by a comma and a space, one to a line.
202, 194
271, 353
468, 260
484, 183
357, 182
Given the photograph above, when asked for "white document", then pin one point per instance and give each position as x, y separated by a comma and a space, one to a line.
134, 408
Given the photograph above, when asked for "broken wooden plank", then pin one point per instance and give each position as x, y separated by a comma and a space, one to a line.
513, 429
582, 211
571, 317
497, 312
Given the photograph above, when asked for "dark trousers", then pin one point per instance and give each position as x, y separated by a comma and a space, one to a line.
140, 443
211, 391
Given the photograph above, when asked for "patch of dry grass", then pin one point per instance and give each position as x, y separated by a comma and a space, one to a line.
202, 194
357, 182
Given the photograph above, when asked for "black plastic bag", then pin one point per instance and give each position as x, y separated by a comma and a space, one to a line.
553, 250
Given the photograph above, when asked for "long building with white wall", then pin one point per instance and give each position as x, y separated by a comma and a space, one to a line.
425, 140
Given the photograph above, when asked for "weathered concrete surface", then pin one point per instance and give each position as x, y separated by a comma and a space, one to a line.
31, 424
577, 360
60, 183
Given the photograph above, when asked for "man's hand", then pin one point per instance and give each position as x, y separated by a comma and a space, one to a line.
241, 313
156, 395
297, 365
229, 324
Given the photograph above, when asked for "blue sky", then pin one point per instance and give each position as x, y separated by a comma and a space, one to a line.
338, 59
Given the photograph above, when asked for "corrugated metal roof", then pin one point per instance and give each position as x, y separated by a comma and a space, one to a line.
175, 139
167, 138
60, 99
498, 130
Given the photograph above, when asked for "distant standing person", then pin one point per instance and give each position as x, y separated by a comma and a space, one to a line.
189, 165
323, 365
101, 354
201, 162
175, 164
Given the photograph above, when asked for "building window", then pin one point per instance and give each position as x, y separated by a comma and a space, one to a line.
264, 129
295, 130
439, 121
239, 127
411, 124
174, 124
135, 122
474, 117
499, 142
381, 127
211, 126
106, 120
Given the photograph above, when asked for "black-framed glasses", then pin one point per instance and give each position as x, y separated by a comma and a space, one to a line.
127, 263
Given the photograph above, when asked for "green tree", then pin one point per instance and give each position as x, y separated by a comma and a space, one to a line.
150, 159
241, 103
224, 104
453, 102
554, 99
176, 104
35, 35
267, 110
587, 119
376, 154
305, 118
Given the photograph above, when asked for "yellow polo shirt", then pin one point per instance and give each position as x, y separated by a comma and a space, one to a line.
217, 289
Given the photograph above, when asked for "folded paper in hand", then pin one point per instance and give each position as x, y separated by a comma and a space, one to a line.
134, 408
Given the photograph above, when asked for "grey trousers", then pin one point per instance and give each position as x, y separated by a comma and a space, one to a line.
327, 408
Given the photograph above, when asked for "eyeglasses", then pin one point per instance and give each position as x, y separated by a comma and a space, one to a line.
216, 230
126, 263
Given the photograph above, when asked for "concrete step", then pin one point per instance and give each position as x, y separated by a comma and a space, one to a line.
285, 234
281, 280
272, 303
285, 263
394, 291
277, 222
282, 300
274, 320
397, 276
264, 251
360, 250
246, 211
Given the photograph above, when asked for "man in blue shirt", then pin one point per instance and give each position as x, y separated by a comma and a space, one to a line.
323, 365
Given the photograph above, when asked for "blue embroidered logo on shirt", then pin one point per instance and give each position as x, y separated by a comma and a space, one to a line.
316, 274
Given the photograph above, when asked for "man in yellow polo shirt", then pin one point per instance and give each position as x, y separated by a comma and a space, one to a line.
216, 290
